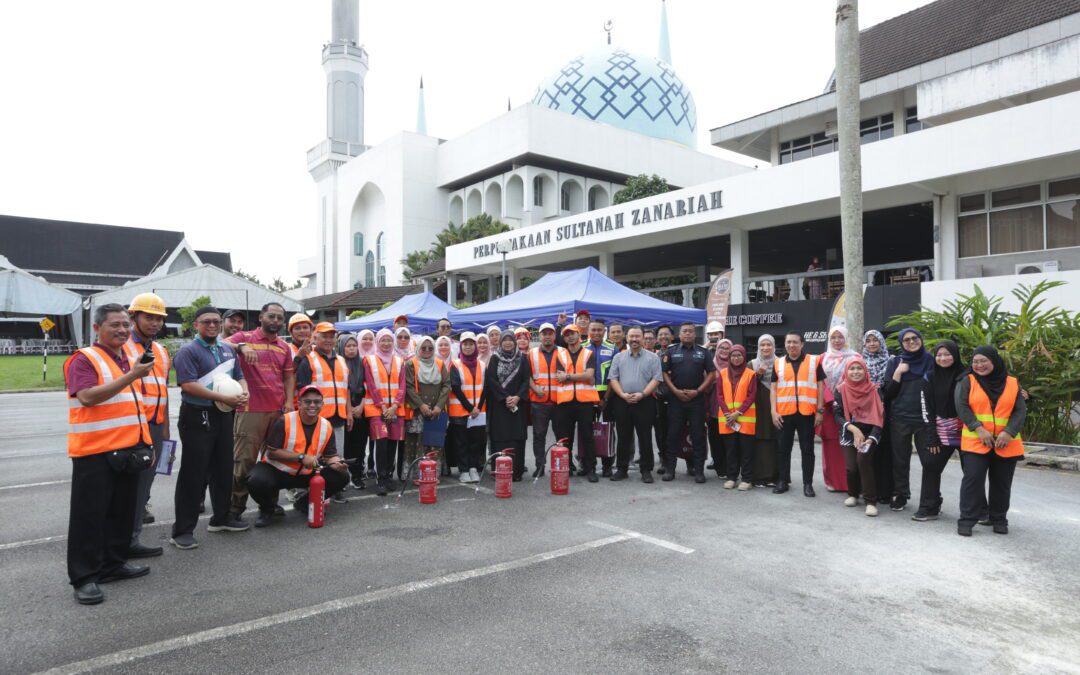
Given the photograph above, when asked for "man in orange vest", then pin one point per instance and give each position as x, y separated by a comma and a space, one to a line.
295, 446
543, 391
147, 312
330, 374
575, 374
105, 415
798, 402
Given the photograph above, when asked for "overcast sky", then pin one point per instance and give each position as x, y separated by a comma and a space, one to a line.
196, 115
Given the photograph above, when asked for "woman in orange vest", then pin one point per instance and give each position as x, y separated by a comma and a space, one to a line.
384, 398
989, 404
468, 423
859, 414
736, 394
427, 388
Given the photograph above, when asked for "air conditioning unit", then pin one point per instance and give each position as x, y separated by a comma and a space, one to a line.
1037, 267
830, 129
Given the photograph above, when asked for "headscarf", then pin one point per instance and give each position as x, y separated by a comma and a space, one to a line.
943, 381
834, 361
440, 342
483, 348
507, 361
356, 368
994, 383
721, 362
407, 352
770, 362
919, 363
360, 343
876, 362
428, 372
736, 371
861, 400
386, 356
490, 330
470, 359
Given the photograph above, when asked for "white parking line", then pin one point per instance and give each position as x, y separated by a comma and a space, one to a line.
643, 537
164, 646
30, 485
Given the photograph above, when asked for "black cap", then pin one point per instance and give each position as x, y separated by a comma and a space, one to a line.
232, 312
206, 309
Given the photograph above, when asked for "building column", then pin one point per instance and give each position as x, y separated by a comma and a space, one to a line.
468, 289
451, 289
688, 297
513, 281
607, 264
427, 284
740, 265
946, 245
494, 287
899, 113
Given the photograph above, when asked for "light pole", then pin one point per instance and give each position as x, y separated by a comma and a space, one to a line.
504, 248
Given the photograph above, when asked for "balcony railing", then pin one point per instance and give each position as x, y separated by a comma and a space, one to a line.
826, 284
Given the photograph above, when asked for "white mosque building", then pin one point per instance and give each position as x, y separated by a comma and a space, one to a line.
606, 115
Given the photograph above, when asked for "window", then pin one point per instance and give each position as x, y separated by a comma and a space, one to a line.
564, 199
1063, 213
876, 128
1015, 230
912, 121
972, 235
380, 257
369, 269
592, 200
358, 244
1013, 196
870, 130
382, 276
1016, 219
538, 191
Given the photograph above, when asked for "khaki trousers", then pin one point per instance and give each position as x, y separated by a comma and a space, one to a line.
249, 435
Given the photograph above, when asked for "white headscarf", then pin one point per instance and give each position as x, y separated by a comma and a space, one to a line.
407, 352
428, 372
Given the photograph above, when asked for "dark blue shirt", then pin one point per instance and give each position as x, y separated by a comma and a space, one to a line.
200, 362
687, 366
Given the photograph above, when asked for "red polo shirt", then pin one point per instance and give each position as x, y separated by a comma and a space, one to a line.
266, 378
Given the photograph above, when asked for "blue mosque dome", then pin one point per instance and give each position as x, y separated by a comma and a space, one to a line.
631, 91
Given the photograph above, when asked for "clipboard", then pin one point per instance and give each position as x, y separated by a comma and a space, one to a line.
478, 421
166, 458
434, 435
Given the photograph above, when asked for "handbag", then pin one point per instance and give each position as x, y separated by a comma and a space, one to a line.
135, 459
603, 439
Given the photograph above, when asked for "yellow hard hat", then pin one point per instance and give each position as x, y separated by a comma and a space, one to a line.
151, 303
299, 317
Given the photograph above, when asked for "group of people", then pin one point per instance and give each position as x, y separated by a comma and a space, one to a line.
260, 414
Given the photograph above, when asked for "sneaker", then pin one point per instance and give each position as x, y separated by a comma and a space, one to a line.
985, 521
184, 542
729, 485
660, 471
898, 503
699, 477
963, 530
231, 524
290, 494
1001, 528
465, 477
646, 477
871, 510
744, 486
383, 487
592, 477
358, 481
339, 499
619, 475
922, 515
264, 519
474, 476
278, 510
851, 501
147, 516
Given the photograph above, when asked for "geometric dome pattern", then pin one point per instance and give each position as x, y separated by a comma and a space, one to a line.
631, 91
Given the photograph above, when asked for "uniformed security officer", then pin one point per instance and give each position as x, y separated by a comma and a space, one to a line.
689, 373
603, 353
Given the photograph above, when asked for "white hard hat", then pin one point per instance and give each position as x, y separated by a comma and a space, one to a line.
714, 327
229, 387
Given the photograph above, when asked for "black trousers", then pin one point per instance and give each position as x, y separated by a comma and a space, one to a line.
206, 436
471, 443
717, 449
883, 464
519, 455
145, 482
543, 416
803, 425
680, 415
932, 468
385, 457
903, 434
661, 428
264, 482
973, 487
630, 419
356, 442
607, 416
739, 449
579, 415
860, 472
101, 520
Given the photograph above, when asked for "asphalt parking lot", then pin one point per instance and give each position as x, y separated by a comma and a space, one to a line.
615, 577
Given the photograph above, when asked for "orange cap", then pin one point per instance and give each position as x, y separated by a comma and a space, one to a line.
325, 327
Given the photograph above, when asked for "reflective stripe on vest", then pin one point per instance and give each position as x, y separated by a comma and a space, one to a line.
385, 383
334, 385
114, 424
543, 375
584, 392
994, 419
155, 386
748, 420
473, 388
297, 443
796, 393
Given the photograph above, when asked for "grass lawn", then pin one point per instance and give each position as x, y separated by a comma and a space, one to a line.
24, 372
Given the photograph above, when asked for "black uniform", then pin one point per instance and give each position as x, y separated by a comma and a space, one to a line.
687, 367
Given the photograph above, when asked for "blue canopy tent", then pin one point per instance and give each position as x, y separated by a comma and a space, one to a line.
571, 292
423, 309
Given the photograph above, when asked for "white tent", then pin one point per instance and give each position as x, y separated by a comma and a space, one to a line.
24, 295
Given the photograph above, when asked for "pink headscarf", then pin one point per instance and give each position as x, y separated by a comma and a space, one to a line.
718, 360
835, 361
444, 348
407, 352
360, 343
387, 355
483, 347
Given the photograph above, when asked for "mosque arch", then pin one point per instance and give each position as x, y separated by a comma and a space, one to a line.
571, 197
368, 215
380, 258
493, 199
473, 204
515, 197
457, 210
598, 198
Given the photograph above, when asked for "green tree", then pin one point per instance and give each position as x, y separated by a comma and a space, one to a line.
477, 227
280, 286
250, 277
188, 313
641, 186
1040, 345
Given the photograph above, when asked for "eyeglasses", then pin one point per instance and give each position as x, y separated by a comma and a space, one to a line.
910, 340
311, 402
210, 322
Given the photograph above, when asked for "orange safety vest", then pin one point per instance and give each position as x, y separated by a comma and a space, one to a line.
584, 392
114, 424
334, 385
543, 375
155, 386
296, 442
748, 420
409, 410
796, 394
994, 419
473, 388
294, 351
386, 383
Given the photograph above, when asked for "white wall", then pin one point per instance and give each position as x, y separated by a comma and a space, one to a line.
936, 293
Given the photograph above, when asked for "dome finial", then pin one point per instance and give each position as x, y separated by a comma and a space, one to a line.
665, 44
607, 28
421, 112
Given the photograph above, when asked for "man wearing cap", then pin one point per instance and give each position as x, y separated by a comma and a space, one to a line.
234, 322
296, 445
581, 320
329, 372
543, 391
271, 378
401, 321
147, 312
689, 374
575, 375
300, 326
202, 367
634, 376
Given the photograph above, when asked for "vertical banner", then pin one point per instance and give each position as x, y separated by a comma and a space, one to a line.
838, 315
716, 305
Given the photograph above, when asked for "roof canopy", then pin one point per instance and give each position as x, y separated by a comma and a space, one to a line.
22, 293
423, 309
180, 289
571, 292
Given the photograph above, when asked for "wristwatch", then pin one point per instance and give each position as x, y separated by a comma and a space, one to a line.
299, 457
821, 411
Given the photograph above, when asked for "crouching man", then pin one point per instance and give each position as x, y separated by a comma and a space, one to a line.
295, 446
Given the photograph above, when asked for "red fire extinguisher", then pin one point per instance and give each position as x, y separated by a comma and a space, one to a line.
316, 508
504, 471
429, 478
560, 468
